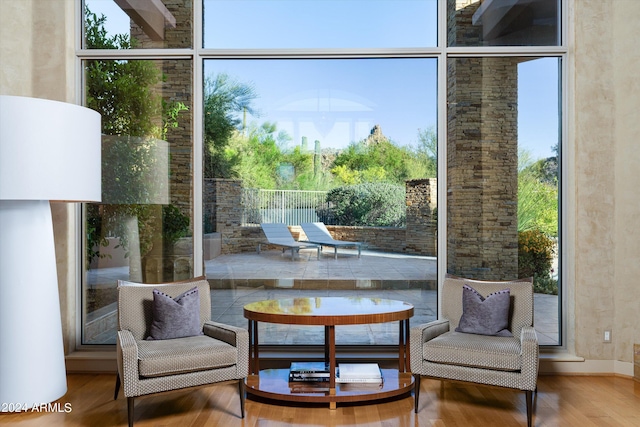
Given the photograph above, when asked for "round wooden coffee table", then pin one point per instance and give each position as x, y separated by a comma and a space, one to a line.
328, 312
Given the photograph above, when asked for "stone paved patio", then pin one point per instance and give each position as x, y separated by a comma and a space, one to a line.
238, 279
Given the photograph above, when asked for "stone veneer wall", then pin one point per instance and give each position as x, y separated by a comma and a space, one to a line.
176, 87
422, 224
482, 157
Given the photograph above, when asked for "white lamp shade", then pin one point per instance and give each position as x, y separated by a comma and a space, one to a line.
49, 150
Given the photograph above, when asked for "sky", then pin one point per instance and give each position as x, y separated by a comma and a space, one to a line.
338, 101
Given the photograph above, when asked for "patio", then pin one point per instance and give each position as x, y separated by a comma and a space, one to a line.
238, 279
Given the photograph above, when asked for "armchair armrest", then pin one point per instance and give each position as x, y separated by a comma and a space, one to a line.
418, 336
127, 355
530, 360
235, 336
428, 331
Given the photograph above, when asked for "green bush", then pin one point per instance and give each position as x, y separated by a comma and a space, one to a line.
368, 204
545, 285
535, 257
174, 224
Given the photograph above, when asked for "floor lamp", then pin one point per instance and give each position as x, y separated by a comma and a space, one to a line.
49, 150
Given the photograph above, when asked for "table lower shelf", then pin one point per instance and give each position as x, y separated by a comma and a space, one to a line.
274, 384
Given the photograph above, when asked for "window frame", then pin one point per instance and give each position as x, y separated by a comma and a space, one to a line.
442, 53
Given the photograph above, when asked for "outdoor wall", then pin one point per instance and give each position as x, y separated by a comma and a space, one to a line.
422, 226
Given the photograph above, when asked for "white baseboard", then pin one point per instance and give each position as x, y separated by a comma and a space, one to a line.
94, 362
550, 364
566, 364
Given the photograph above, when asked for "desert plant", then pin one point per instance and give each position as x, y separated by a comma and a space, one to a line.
368, 204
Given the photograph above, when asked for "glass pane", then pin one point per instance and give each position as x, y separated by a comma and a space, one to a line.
319, 24
133, 24
503, 138
142, 231
279, 136
503, 23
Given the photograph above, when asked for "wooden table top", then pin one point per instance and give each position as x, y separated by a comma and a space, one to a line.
328, 311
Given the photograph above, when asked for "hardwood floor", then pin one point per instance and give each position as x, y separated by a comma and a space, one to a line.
561, 401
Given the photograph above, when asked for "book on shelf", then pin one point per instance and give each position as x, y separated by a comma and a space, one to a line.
309, 372
359, 372
359, 380
305, 378
309, 367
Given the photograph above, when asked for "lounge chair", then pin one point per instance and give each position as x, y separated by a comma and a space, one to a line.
278, 234
317, 233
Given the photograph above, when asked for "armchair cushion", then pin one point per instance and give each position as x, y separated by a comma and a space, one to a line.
175, 317
479, 351
182, 355
485, 316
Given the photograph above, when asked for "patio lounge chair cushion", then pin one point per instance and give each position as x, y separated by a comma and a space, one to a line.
278, 234
317, 233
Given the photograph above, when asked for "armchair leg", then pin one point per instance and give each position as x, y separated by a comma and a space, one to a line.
416, 391
241, 391
115, 394
130, 410
529, 399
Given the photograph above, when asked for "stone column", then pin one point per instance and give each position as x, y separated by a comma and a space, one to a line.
482, 175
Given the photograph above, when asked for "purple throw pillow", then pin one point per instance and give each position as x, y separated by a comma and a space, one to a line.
485, 316
175, 317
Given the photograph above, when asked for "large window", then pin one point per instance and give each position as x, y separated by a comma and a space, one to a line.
219, 115
502, 175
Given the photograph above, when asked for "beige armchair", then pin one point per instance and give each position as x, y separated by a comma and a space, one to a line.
219, 353
438, 351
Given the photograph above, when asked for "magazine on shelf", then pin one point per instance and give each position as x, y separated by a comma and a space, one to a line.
359, 380
359, 372
306, 378
309, 372
309, 367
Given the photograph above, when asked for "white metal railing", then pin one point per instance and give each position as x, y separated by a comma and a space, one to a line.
290, 207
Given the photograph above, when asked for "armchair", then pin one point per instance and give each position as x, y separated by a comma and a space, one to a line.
438, 351
219, 353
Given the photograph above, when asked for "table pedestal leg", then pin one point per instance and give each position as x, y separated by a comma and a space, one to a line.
403, 347
331, 351
254, 359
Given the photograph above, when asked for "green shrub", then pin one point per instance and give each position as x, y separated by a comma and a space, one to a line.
369, 204
545, 285
174, 224
535, 257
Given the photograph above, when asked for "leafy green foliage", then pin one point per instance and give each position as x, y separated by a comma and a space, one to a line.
537, 198
367, 204
175, 225
378, 162
384, 161
224, 99
535, 257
